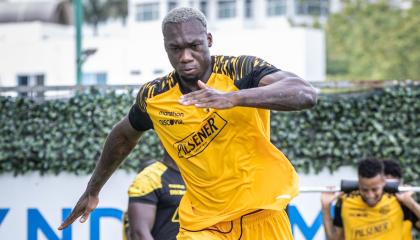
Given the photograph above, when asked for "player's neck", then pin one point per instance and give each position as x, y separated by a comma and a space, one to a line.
188, 86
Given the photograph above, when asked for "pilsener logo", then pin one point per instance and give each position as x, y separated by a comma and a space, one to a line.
373, 230
197, 141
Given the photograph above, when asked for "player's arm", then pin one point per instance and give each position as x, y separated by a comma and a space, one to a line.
141, 217
119, 143
326, 199
261, 85
333, 228
281, 91
411, 205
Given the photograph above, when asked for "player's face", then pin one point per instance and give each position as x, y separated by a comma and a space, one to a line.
371, 189
187, 45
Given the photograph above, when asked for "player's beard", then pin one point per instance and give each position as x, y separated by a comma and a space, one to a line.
189, 80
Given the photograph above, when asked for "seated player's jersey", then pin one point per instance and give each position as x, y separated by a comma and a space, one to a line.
407, 227
382, 222
228, 163
162, 186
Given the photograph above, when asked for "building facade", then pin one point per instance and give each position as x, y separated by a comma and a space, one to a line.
39, 53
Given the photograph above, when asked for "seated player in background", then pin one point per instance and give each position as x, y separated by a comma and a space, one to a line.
368, 213
393, 171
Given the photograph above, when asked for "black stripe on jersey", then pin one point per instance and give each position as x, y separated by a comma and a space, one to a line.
338, 220
139, 120
246, 71
154, 88
409, 215
138, 116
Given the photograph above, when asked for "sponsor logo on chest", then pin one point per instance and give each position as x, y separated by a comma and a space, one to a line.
174, 120
199, 140
372, 230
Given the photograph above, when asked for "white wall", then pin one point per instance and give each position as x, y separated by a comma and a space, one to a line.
48, 195
32, 48
297, 50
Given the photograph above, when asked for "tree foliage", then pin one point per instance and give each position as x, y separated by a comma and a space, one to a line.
99, 11
374, 41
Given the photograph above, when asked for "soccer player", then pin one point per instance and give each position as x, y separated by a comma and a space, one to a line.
368, 213
154, 198
393, 171
212, 116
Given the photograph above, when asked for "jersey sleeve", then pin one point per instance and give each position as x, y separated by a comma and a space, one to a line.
409, 215
147, 185
138, 116
250, 70
338, 221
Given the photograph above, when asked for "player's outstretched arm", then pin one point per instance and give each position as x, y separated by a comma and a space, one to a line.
281, 91
119, 143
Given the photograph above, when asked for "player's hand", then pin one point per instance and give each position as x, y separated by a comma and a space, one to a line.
208, 97
328, 197
86, 204
404, 197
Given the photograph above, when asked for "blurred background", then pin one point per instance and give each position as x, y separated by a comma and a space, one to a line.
69, 70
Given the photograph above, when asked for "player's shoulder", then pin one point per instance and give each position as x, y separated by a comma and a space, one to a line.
148, 180
390, 198
238, 65
223, 61
352, 197
154, 170
155, 87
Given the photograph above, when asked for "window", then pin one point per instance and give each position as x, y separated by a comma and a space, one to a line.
227, 9
312, 7
248, 9
276, 7
158, 71
99, 78
171, 5
31, 80
203, 7
147, 12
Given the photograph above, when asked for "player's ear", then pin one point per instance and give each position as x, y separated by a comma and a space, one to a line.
209, 40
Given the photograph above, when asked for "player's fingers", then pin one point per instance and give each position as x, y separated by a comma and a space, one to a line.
194, 97
202, 85
69, 220
206, 104
85, 216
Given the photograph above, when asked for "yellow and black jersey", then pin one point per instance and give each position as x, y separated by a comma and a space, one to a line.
381, 222
225, 156
162, 186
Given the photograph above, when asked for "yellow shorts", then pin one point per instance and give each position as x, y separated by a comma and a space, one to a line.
261, 225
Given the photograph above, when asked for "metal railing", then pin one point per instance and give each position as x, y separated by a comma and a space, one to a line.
64, 92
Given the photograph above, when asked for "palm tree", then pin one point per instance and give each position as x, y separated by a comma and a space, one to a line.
98, 11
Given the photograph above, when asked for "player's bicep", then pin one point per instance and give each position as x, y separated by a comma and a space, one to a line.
275, 77
125, 128
141, 216
251, 70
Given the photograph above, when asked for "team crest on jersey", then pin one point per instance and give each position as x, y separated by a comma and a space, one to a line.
197, 141
384, 210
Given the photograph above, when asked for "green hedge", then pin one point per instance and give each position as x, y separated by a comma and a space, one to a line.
67, 135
